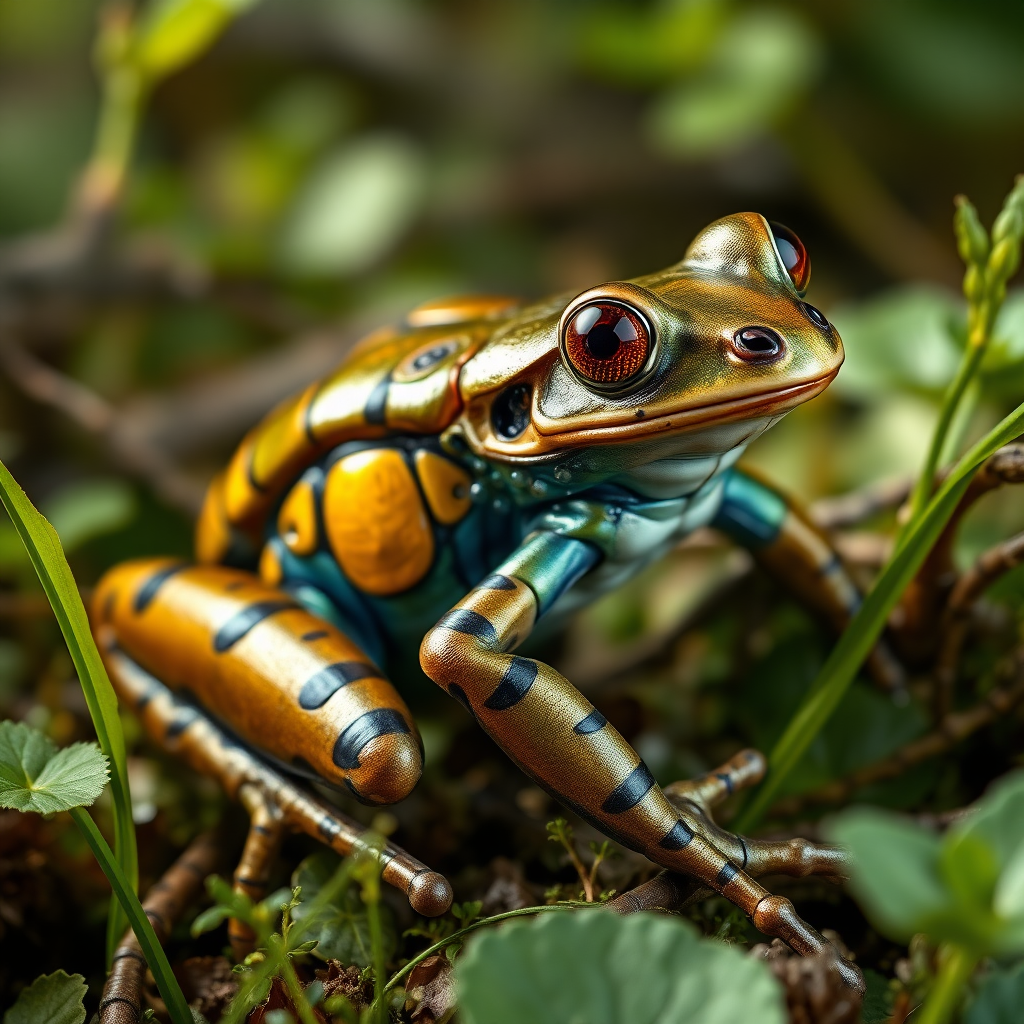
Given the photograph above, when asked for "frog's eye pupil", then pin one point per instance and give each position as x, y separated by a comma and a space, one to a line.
607, 343
793, 255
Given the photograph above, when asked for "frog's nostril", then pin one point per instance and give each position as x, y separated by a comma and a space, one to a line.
757, 343
816, 316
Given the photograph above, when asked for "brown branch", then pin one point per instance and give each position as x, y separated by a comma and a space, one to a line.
956, 625
846, 510
121, 1002
924, 601
953, 728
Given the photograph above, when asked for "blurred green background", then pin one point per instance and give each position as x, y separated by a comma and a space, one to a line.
323, 165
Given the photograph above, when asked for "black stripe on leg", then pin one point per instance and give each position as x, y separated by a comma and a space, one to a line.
630, 792
460, 695
462, 620
497, 582
145, 594
677, 837
594, 722
727, 874
515, 684
319, 688
239, 624
379, 722
725, 778
314, 634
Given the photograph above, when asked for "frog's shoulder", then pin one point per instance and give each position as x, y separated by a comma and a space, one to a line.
396, 380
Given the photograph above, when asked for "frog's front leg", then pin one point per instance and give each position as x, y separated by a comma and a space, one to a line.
782, 538
558, 738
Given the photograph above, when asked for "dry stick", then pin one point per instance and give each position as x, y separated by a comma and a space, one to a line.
96, 415
972, 584
953, 728
179, 888
924, 601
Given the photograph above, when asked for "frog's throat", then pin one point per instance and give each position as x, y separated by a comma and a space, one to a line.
534, 443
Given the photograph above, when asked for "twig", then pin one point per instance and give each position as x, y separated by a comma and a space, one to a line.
993, 563
924, 601
121, 1002
852, 509
953, 728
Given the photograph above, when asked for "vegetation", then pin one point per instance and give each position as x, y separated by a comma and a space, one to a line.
206, 216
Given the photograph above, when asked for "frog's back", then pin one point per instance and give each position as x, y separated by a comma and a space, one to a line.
396, 381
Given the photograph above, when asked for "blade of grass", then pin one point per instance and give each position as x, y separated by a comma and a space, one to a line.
47, 556
156, 958
860, 636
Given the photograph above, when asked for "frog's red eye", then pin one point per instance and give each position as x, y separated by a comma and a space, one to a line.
794, 256
607, 343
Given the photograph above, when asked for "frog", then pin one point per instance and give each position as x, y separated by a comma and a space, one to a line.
481, 468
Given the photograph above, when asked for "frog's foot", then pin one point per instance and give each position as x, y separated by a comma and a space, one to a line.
696, 798
747, 859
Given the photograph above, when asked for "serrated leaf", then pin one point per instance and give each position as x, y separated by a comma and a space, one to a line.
56, 998
36, 776
342, 932
600, 968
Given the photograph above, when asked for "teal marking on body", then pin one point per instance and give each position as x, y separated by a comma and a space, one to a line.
751, 513
549, 565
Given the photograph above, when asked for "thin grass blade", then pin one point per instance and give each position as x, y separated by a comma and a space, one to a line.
860, 636
47, 556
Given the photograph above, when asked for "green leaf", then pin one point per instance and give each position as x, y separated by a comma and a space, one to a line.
56, 998
999, 998
341, 930
36, 776
896, 875
855, 644
762, 63
355, 207
600, 968
175, 32
969, 868
43, 546
899, 341
998, 818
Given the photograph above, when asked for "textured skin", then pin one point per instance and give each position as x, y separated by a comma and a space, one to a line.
451, 483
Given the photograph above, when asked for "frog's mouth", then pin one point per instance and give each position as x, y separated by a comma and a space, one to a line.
542, 439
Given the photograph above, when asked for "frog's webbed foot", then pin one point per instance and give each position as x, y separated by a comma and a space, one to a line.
773, 915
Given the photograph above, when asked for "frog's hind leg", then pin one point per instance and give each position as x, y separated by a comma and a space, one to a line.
280, 678
557, 736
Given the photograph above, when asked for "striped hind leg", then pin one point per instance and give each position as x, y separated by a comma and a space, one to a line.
556, 735
281, 679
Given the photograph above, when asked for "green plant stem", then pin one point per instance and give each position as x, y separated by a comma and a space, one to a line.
51, 566
955, 970
848, 655
455, 936
965, 373
295, 990
156, 958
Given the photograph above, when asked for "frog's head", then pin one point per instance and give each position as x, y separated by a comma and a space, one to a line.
706, 353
